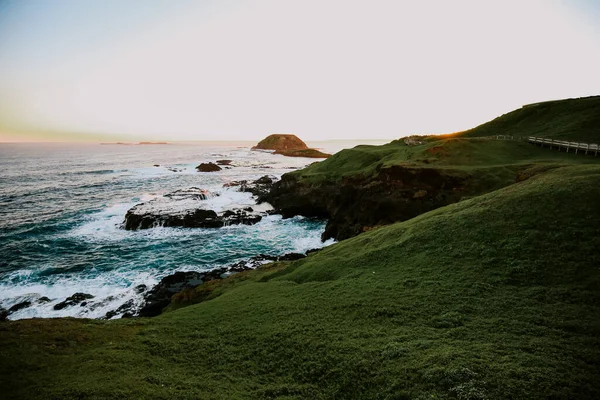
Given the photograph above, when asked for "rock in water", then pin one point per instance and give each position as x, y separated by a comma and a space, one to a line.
19, 306
281, 142
71, 301
184, 209
288, 145
208, 167
260, 188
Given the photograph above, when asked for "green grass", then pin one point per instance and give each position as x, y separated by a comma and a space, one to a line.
483, 158
571, 119
493, 297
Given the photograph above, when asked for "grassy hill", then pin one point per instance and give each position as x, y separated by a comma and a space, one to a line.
490, 298
434, 152
570, 119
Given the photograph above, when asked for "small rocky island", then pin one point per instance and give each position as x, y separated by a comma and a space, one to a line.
288, 145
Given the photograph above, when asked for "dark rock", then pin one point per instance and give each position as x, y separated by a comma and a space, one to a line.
199, 218
291, 257
208, 167
140, 288
356, 204
157, 165
160, 295
260, 188
224, 162
264, 180
313, 251
71, 301
236, 217
43, 300
125, 308
181, 208
19, 306
193, 193
3, 314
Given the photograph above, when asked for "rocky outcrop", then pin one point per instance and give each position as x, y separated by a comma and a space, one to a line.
160, 295
208, 167
288, 145
260, 188
199, 218
281, 142
355, 204
77, 298
184, 209
307, 153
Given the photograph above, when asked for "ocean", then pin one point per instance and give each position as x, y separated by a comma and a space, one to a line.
62, 207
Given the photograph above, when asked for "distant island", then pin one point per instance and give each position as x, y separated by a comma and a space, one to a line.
289, 145
132, 144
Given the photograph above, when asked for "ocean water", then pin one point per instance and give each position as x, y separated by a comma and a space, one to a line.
62, 206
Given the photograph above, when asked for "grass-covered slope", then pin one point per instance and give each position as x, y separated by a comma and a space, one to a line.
459, 152
491, 298
570, 119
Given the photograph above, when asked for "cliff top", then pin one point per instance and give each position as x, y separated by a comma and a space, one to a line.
568, 119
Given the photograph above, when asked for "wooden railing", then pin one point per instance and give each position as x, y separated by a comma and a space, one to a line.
553, 143
562, 144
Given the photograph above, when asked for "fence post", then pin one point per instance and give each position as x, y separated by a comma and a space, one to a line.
576, 147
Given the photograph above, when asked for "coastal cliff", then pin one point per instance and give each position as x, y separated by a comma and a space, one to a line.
368, 186
356, 204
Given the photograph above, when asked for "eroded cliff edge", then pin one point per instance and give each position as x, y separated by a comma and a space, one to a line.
368, 186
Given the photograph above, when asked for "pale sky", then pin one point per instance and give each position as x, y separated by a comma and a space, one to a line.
231, 70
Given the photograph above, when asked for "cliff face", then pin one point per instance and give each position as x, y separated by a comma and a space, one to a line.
357, 204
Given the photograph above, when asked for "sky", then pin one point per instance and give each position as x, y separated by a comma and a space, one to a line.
93, 70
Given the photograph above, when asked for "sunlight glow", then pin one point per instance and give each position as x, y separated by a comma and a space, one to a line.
320, 69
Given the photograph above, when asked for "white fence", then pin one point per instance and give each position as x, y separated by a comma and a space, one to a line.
558, 144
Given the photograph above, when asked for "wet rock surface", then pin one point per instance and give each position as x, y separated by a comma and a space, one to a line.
183, 208
208, 167
259, 188
77, 298
19, 306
